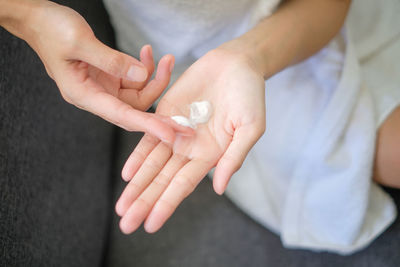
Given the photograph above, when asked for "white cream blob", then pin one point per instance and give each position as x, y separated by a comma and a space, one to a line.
200, 112
181, 120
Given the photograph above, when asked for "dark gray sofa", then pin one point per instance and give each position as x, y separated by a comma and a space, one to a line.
55, 162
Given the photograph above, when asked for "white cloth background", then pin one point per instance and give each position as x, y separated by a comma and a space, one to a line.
309, 178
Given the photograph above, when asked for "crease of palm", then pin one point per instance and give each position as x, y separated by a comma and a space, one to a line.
211, 138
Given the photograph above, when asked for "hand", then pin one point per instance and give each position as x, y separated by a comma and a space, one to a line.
161, 177
96, 78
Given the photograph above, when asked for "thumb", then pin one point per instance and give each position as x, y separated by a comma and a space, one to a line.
112, 61
243, 140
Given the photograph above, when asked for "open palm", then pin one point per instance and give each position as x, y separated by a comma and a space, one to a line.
161, 176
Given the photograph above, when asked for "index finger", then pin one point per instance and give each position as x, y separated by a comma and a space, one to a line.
125, 116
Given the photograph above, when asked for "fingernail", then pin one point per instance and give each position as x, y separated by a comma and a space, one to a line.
137, 74
171, 66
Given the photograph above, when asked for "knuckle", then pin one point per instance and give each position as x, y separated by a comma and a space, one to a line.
114, 64
152, 164
144, 202
233, 162
185, 184
72, 40
134, 186
150, 139
167, 203
74, 34
161, 180
138, 156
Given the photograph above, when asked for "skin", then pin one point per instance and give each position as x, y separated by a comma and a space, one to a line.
95, 78
163, 177
90, 75
232, 78
387, 155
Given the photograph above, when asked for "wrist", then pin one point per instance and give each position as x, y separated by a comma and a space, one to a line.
15, 15
253, 52
241, 52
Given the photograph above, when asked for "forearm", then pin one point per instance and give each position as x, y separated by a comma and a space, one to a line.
297, 30
15, 15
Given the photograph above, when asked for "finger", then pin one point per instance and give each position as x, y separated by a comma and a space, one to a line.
151, 166
243, 140
179, 188
146, 57
163, 75
121, 114
145, 97
137, 157
146, 145
141, 207
112, 61
183, 130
